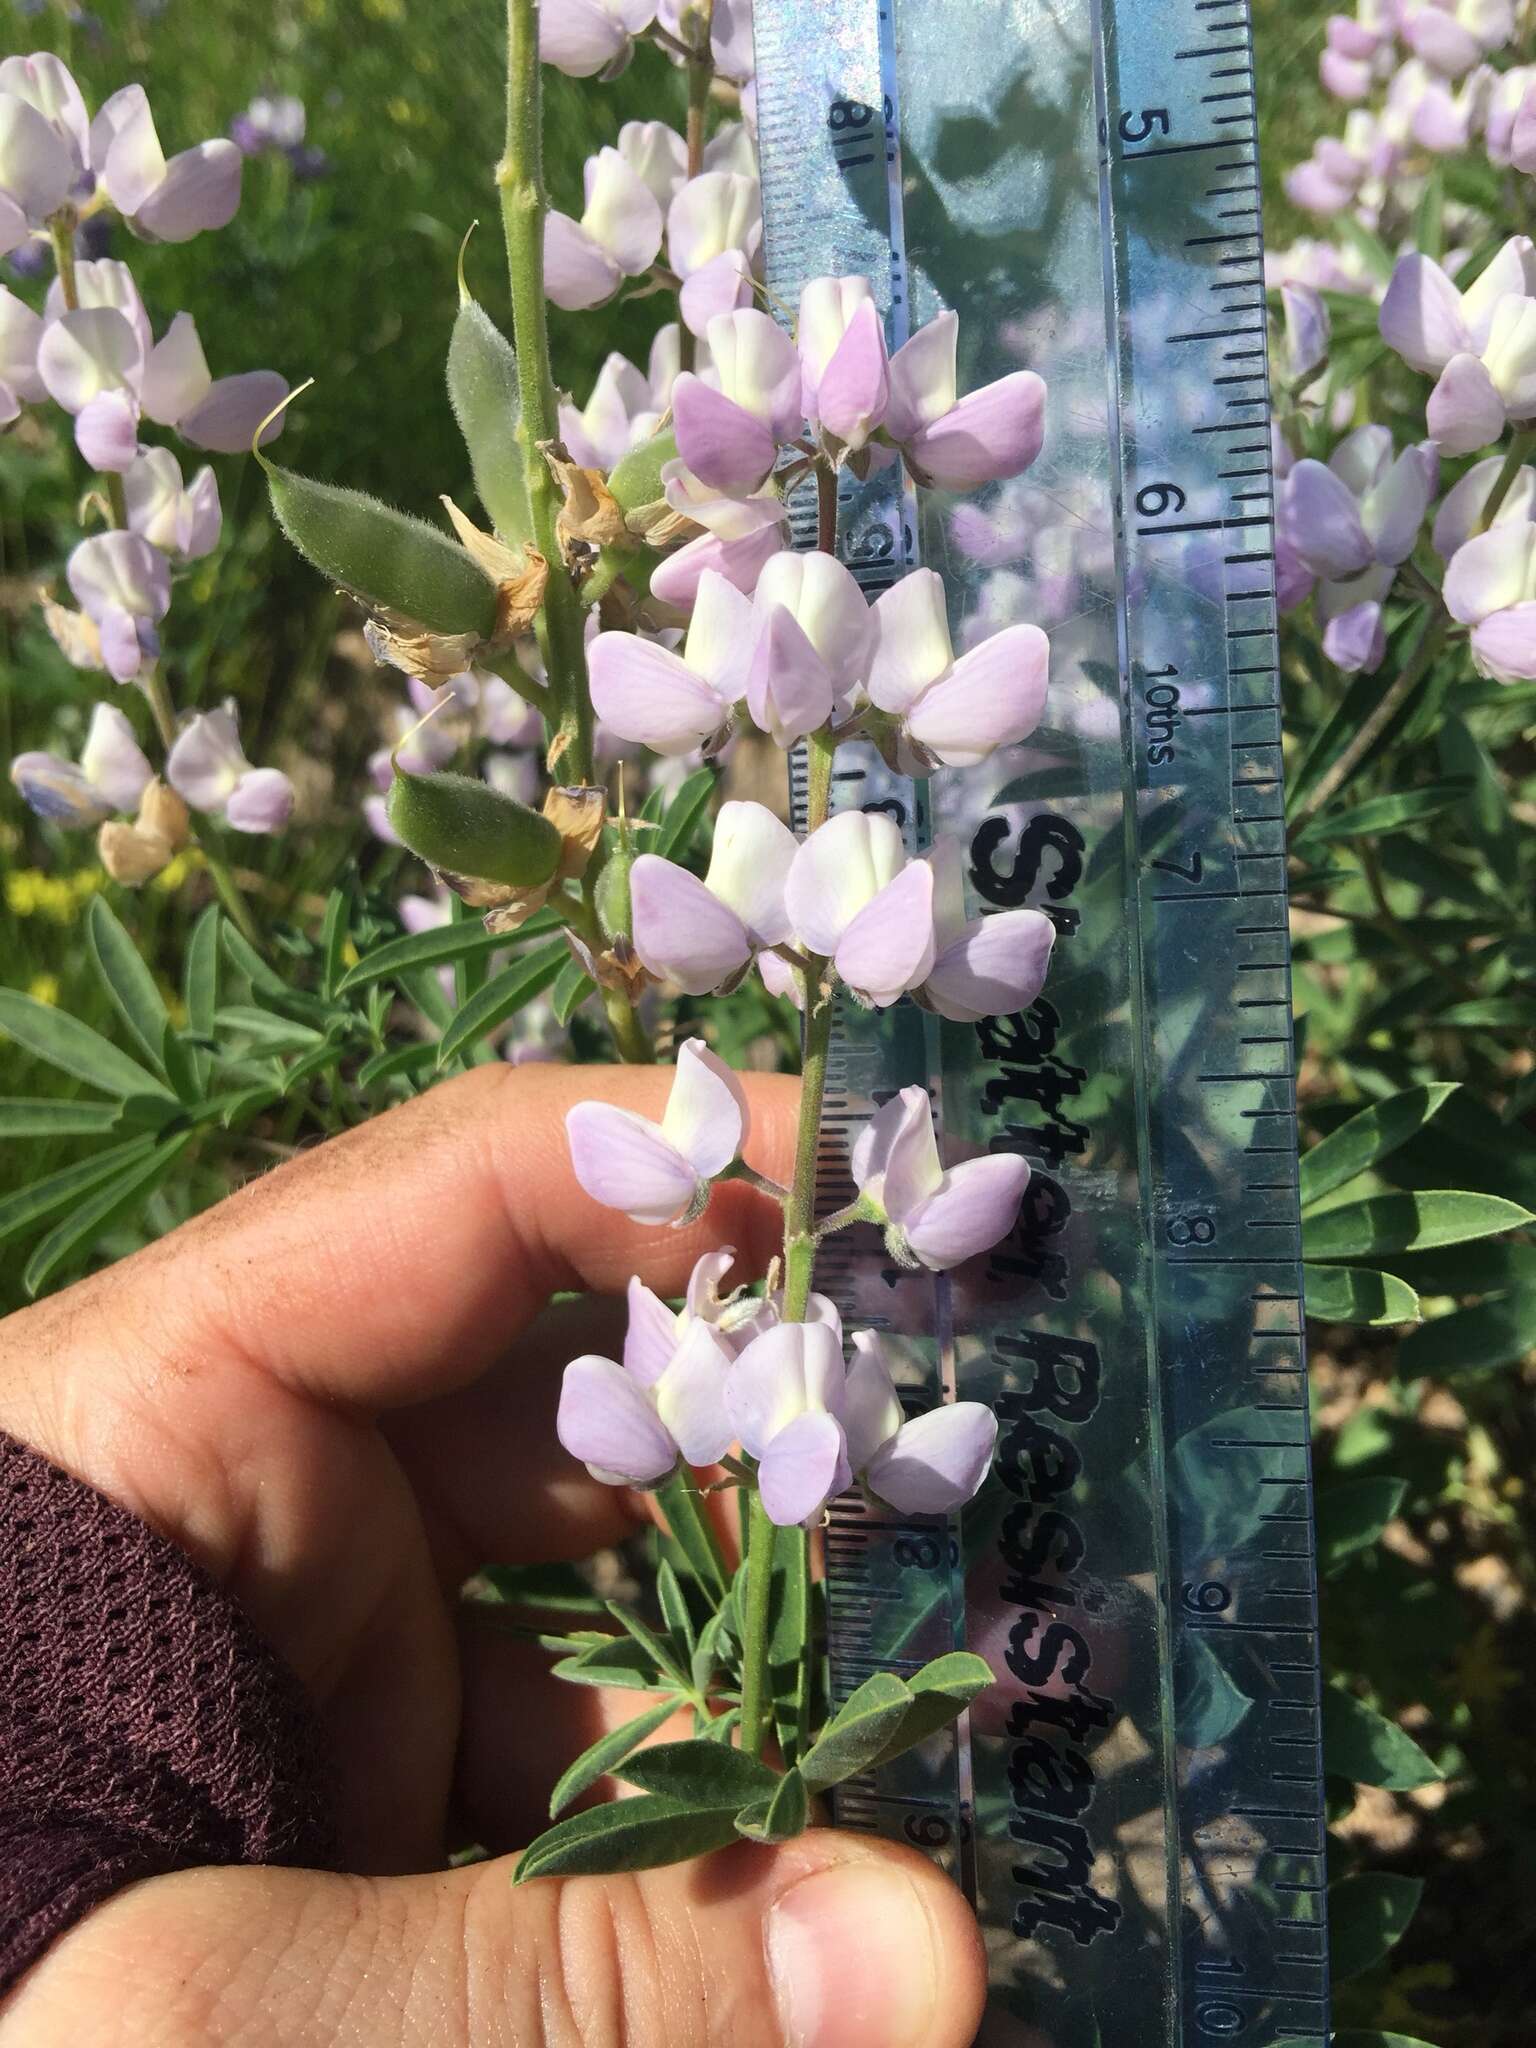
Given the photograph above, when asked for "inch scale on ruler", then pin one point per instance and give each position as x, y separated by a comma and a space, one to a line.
1136, 1808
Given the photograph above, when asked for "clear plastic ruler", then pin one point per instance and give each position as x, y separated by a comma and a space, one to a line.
1137, 1807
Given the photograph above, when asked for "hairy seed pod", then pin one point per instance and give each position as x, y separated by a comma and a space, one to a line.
636, 480
612, 900
482, 388
383, 556
461, 825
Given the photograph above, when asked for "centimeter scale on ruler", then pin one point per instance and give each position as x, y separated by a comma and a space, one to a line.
1140, 1824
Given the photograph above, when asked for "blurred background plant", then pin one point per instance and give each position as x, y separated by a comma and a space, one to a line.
370, 127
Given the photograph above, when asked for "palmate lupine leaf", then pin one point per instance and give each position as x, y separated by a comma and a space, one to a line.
123, 1194
607, 1752
30, 1205
1368, 1137
74, 1048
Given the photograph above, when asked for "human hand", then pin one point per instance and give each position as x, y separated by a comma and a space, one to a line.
337, 1391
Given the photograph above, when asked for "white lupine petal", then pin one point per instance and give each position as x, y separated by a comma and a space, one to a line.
112, 760
37, 168
923, 386
837, 871
45, 81
261, 801
107, 431
152, 491
757, 368
578, 271
717, 211
621, 214
828, 606
1464, 412
749, 865
1363, 457
682, 932
120, 572
651, 1336
994, 968
720, 286
200, 192
608, 1422
224, 420
1461, 509
913, 648
177, 376
790, 689
126, 149
57, 790
104, 282
1504, 646
200, 517
690, 1396
1323, 521
827, 304
20, 332
1509, 355
1393, 510
86, 353
644, 692
580, 37
706, 1115
657, 155
993, 697
805, 1465
1512, 272
896, 1155
790, 1370
719, 642
973, 1210
938, 1461
1492, 571
206, 761
15, 228
872, 1412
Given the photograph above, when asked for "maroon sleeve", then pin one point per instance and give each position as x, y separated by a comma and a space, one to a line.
144, 1725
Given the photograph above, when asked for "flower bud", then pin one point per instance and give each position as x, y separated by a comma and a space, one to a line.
482, 389
461, 825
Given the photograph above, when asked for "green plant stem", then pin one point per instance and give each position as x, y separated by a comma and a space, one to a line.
755, 1701
225, 886
701, 71
800, 1209
520, 182
1431, 640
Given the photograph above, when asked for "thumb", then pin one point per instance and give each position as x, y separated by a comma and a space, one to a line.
828, 1942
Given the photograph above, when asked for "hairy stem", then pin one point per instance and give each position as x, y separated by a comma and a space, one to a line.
755, 1703
701, 71
520, 181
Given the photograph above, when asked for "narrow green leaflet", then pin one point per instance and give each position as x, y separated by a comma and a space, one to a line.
789, 1666
780, 1818
572, 987
1360, 1744
1407, 1222
674, 1609
1369, 1137
619, 1661
183, 1065
686, 1518
1498, 1331
401, 1059
1367, 1915
267, 1033
124, 1194
940, 1691
440, 947
699, 1773
30, 1205
1354, 1294
333, 940
631, 1834
1351, 1514
605, 1753
858, 1732
1394, 813
47, 1117
502, 997
127, 979
651, 1643
552, 1588
74, 1048
683, 813
200, 973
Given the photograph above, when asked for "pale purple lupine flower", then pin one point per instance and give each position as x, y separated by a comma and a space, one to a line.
1490, 585
1453, 35
163, 200
584, 37
1354, 54
660, 1173
1308, 330
1459, 514
110, 776
20, 332
730, 38
670, 702
957, 443
271, 121
618, 235
988, 966
44, 144
784, 1396
1364, 505
180, 519
845, 378
929, 1466
854, 897
625, 406
739, 538
729, 429
630, 1423
208, 769
815, 639
957, 712
703, 935
1479, 343
123, 586
933, 1217
714, 233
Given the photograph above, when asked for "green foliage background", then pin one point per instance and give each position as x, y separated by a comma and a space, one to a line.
350, 279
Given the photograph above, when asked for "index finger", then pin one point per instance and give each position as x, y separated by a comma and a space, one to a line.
396, 1262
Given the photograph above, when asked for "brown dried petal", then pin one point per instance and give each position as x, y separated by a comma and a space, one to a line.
519, 597
591, 512
660, 525
578, 815
163, 815
130, 856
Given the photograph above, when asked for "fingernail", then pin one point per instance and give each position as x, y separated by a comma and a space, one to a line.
852, 1961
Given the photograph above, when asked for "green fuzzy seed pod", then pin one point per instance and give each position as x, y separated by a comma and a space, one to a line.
482, 387
385, 557
637, 479
611, 897
462, 825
